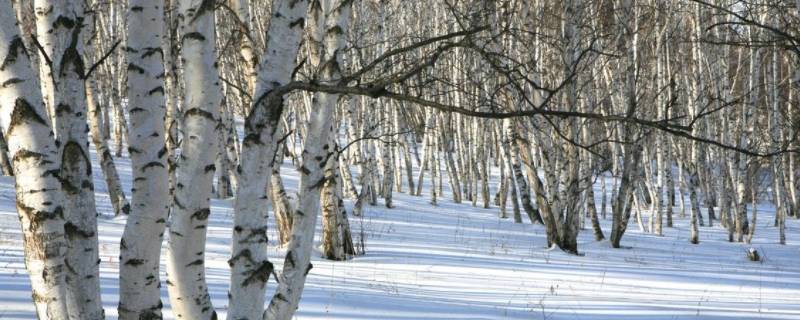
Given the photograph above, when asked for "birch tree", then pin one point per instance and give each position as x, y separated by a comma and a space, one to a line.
328, 23
140, 247
59, 25
250, 267
36, 162
186, 284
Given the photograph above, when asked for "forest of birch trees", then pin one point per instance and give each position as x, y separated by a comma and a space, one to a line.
366, 98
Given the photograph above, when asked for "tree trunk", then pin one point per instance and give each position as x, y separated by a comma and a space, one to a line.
59, 28
548, 216
35, 159
118, 200
226, 157
281, 206
328, 22
140, 248
590, 205
5, 161
512, 150
169, 47
388, 162
620, 209
332, 244
186, 284
694, 217
250, 266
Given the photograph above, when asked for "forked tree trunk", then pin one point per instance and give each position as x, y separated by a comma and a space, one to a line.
570, 226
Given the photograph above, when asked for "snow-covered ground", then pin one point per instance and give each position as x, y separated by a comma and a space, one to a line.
454, 261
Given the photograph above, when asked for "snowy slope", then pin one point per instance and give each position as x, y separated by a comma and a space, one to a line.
454, 261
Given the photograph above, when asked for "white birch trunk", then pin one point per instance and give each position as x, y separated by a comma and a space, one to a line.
511, 150
35, 160
59, 28
281, 205
172, 89
242, 9
5, 161
96, 123
186, 281
140, 248
318, 150
250, 267
332, 245
387, 155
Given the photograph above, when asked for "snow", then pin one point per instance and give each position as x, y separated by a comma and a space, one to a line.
455, 261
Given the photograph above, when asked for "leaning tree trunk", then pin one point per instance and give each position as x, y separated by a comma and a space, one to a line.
621, 204
140, 247
317, 152
590, 206
186, 284
250, 267
281, 206
96, 123
512, 186
35, 161
511, 150
548, 216
59, 29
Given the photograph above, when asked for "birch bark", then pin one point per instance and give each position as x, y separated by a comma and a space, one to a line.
140, 247
35, 161
329, 21
59, 26
250, 267
186, 283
